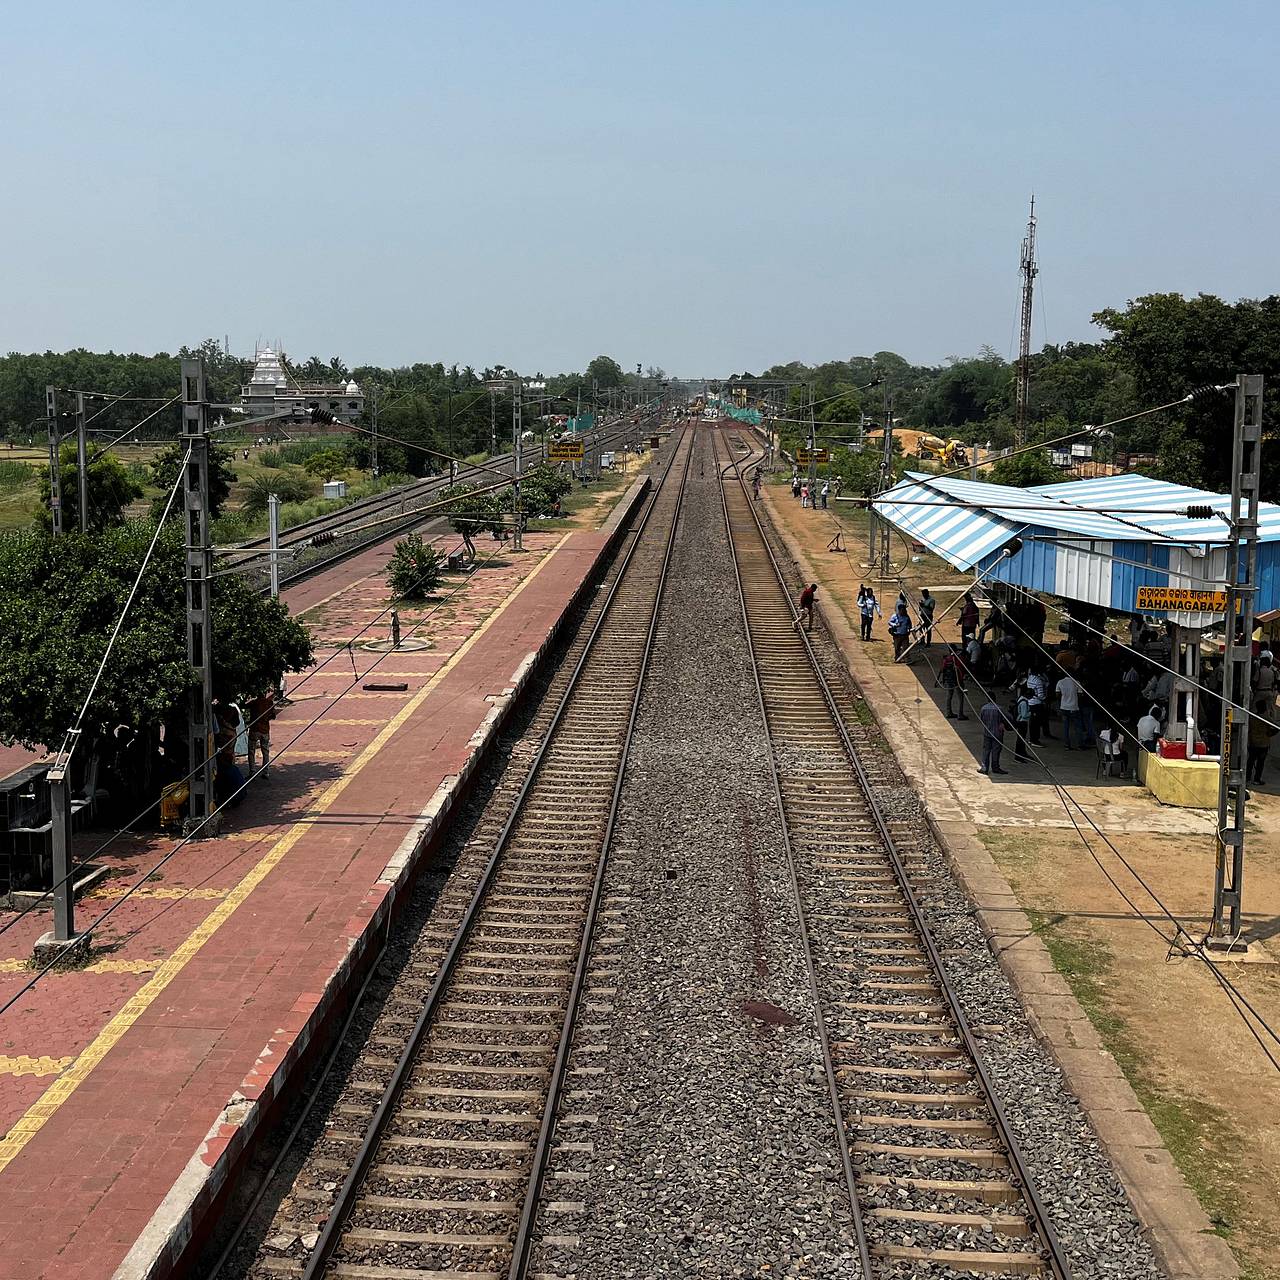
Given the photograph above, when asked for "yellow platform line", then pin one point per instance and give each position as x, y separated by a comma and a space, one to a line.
35, 1117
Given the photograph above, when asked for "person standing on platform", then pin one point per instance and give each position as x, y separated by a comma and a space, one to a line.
804, 494
1261, 731
925, 609
1069, 692
262, 711
900, 629
795, 485
1036, 695
968, 617
952, 676
1022, 723
826, 493
806, 608
993, 727
868, 609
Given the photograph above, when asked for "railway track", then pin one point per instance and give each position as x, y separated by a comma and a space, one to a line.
938, 1184
444, 1179
315, 545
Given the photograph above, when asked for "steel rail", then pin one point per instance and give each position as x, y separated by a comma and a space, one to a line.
348, 1194
1040, 1218
546, 1133
256, 552
828, 1062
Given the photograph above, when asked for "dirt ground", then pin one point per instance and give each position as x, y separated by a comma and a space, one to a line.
1194, 1064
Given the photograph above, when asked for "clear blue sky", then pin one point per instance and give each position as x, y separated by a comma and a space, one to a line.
704, 186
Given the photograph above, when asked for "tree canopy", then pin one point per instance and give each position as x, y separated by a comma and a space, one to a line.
59, 600
111, 488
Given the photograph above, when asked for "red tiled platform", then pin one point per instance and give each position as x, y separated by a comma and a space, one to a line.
131, 1089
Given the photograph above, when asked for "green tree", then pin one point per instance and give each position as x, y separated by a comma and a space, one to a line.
606, 372
326, 464
540, 488
473, 512
1025, 469
112, 487
1170, 345
414, 569
59, 601
164, 474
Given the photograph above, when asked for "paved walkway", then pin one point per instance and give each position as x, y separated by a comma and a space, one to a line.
114, 1077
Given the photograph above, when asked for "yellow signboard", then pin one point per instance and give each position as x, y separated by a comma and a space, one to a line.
821, 456
565, 451
1181, 600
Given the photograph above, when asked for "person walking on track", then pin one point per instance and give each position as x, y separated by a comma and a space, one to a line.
806, 608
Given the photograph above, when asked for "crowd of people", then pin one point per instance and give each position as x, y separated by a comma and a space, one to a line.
1106, 695
814, 493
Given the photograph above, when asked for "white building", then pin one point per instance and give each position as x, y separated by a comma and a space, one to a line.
271, 389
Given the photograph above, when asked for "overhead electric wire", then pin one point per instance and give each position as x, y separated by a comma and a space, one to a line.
314, 670
186, 839
1068, 799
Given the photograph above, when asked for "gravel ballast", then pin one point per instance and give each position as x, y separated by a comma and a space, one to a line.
714, 1151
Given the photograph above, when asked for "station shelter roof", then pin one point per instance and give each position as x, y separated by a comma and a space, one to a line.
1096, 541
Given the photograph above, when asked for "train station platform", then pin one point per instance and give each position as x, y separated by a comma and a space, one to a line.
132, 1086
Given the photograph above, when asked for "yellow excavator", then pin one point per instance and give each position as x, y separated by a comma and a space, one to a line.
952, 453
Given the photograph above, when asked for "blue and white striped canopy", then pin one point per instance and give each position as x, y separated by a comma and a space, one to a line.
965, 520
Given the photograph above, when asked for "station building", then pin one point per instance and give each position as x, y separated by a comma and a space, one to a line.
272, 390
1112, 542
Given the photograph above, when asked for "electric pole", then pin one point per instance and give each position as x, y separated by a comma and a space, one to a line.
813, 457
195, 488
880, 528
82, 463
1237, 664
55, 459
1029, 272
373, 440
517, 458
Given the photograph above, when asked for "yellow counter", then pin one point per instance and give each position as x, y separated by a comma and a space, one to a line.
1192, 784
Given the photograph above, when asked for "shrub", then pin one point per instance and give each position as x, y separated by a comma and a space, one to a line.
15, 475
288, 486
414, 568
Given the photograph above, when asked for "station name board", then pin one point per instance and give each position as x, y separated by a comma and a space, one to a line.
1181, 599
565, 451
820, 455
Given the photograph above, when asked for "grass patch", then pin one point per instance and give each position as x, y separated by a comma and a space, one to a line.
1200, 1137
15, 475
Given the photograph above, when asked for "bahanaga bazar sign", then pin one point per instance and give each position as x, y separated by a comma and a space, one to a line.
1181, 600
820, 455
565, 451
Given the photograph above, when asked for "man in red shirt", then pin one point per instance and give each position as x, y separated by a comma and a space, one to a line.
806, 607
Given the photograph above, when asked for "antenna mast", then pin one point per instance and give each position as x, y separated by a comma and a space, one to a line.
1029, 272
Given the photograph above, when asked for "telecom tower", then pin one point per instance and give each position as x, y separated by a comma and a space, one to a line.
1029, 272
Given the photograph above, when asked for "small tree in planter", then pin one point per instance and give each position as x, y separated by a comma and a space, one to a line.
414, 569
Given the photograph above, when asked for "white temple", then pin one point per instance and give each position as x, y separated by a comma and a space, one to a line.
272, 389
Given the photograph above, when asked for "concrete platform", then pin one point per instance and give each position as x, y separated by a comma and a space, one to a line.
131, 1089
